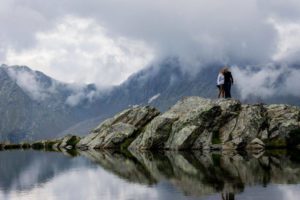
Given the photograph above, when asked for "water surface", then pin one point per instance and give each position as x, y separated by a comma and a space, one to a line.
145, 175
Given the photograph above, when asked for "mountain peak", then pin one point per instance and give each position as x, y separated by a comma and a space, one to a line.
17, 67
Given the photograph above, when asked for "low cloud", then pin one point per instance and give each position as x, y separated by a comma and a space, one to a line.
78, 50
81, 93
29, 82
40, 87
266, 81
104, 42
288, 43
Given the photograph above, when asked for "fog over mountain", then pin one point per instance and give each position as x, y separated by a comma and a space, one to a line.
164, 84
107, 55
35, 106
113, 39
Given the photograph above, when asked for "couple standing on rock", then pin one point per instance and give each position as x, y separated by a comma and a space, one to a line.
224, 82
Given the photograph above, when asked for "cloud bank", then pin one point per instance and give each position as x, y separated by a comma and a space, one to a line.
267, 81
104, 42
78, 50
29, 82
41, 88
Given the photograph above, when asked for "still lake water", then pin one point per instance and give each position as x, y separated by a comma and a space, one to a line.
145, 175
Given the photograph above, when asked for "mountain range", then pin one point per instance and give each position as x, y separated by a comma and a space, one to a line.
36, 106
33, 105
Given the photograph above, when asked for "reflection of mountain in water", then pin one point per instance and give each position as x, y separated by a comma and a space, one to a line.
199, 173
23, 170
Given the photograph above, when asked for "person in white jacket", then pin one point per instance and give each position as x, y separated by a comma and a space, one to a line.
220, 84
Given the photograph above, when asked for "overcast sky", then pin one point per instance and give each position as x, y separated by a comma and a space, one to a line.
103, 42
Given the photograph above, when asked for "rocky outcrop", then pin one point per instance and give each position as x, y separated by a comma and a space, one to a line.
120, 130
194, 123
178, 127
198, 123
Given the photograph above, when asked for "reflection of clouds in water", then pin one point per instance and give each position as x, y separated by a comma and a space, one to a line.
84, 183
93, 183
29, 176
274, 192
290, 192
96, 183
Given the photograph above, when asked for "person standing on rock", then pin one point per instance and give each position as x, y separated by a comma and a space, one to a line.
228, 82
220, 83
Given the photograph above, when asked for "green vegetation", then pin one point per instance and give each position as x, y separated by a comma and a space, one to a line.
294, 155
294, 138
216, 159
49, 145
73, 141
124, 145
276, 143
12, 146
216, 138
38, 145
276, 152
126, 153
72, 152
25, 145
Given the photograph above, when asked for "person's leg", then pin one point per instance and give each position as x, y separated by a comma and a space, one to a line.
220, 91
226, 90
229, 90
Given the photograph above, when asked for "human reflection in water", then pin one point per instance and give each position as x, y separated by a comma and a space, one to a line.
228, 196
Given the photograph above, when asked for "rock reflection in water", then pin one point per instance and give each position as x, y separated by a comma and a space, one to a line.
149, 175
199, 173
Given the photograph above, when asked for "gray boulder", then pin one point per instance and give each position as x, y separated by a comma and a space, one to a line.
242, 129
199, 118
178, 127
119, 130
155, 133
283, 125
210, 137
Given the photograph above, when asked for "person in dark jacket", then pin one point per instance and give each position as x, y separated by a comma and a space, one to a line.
228, 82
